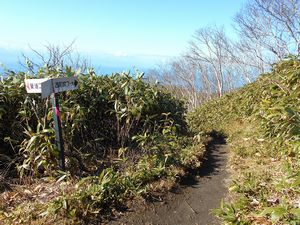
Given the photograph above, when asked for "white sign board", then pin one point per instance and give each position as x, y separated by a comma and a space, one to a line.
57, 85
46, 86
34, 85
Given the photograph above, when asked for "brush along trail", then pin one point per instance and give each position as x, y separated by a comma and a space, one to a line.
196, 196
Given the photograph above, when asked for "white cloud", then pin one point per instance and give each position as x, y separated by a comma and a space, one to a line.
120, 54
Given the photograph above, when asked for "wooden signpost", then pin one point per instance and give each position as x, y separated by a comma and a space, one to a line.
49, 87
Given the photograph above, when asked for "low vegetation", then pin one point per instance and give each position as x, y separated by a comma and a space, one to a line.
262, 123
122, 136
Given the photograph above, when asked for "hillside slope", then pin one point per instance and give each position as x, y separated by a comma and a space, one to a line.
262, 123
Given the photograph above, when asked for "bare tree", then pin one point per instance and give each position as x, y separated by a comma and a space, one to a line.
247, 60
180, 77
55, 57
186, 76
270, 29
208, 69
187, 80
212, 51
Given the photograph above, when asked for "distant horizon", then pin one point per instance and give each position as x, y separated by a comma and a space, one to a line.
115, 33
103, 64
99, 69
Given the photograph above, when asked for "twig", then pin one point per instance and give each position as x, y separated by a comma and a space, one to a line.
190, 206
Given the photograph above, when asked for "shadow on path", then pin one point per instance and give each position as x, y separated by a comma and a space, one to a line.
213, 160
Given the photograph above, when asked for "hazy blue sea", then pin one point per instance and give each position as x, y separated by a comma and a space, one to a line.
102, 64
100, 70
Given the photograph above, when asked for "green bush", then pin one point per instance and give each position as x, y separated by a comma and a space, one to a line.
103, 115
273, 101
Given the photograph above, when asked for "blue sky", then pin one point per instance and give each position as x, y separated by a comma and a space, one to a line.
111, 33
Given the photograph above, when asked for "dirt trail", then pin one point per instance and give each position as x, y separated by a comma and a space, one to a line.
192, 202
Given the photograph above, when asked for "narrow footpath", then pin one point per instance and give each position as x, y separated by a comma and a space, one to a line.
193, 201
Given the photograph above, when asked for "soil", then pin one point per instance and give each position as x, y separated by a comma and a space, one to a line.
195, 198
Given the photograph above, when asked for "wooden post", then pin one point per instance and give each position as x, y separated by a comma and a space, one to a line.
58, 130
49, 87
